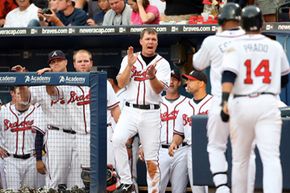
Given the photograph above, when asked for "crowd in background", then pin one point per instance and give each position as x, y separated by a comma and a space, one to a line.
31, 13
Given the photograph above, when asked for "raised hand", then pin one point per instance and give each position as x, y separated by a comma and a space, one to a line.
151, 71
131, 56
18, 68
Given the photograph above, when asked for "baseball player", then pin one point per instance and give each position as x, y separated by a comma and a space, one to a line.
210, 54
62, 157
196, 85
77, 99
132, 144
253, 70
145, 74
83, 62
19, 124
173, 169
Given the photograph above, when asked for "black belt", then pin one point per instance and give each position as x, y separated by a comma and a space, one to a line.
24, 156
50, 127
256, 94
168, 145
147, 107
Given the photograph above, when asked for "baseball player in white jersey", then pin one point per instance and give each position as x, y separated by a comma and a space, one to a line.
254, 70
146, 74
62, 158
210, 54
200, 104
173, 169
133, 143
3, 151
19, 124
83, 62
77, 99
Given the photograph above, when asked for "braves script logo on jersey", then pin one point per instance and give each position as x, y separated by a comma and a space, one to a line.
138, 75
186, 120
169, 116
22, 126
80, 100
203, 113
60, 101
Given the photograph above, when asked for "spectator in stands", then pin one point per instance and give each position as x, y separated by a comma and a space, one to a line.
52, 5
67, 15
21, 16
143, 12
5, 7
177, 10
160, 4
119, 14
99, 17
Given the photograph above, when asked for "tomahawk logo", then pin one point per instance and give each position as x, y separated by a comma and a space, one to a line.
61, 79
27, 79
54, 54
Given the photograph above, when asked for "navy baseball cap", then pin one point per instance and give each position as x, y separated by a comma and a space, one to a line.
196, 75
56, 54
176, 74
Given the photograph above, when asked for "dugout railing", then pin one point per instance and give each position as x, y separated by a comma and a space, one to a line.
98, 98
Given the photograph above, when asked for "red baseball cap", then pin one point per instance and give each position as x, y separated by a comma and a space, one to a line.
196, 75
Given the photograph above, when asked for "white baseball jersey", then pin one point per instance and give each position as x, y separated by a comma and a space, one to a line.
211, 53
19, 129
259, 63
172, 169
261, 73
145, 122
78, 100
138, 82
56, 110
59, 144
112, 101
169, 111
183, 128
122, 95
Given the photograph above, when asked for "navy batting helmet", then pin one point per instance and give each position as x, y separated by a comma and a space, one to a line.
230, 11
252, 19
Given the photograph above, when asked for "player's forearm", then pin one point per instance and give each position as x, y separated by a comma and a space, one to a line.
52, 91
227, 87
156, 85
177, 139
38, 145
124, 77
